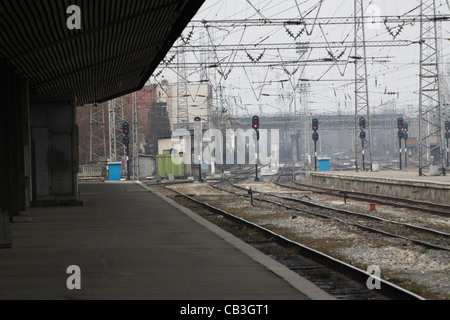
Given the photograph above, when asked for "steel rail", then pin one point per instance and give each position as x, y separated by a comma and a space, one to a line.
420, 242
387, 288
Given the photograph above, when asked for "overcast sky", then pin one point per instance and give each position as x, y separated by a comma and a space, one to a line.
393, 74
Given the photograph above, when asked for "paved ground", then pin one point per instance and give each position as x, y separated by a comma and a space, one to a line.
132, 244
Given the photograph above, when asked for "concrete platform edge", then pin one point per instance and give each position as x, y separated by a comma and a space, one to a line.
385, 180
402, 188
301, 284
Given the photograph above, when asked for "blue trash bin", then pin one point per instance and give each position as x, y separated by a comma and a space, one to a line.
324, 164
115, 171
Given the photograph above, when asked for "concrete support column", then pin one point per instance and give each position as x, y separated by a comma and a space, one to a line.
54, 139
26, 134
13, 104
5, 234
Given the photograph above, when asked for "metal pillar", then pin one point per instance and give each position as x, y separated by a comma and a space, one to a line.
305, 121
97, 133
112, 131
362, 107
182, 91
431, 140
116, 118
135, 138
448, 157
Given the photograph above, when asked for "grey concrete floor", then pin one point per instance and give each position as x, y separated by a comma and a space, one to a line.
131, 244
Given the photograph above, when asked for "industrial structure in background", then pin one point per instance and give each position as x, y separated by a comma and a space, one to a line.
373, 140
152, 113
225, 58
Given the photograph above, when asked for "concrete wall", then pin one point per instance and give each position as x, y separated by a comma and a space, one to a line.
147, 166
423, 191
167, 144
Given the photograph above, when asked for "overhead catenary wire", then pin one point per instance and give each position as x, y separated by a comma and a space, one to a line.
237, 58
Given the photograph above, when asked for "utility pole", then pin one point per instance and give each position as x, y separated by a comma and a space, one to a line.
430, 106
362, 107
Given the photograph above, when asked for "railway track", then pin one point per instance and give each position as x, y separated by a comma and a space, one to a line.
431, 208
340, 279
429, 238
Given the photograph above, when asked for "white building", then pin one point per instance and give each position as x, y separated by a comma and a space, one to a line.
198, 99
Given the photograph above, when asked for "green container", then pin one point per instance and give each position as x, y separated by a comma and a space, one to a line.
178, 169
160, 165
166, 166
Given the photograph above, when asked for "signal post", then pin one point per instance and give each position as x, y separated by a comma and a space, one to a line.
315, 136
255, 125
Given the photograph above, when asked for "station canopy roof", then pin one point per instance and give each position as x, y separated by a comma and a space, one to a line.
119, 45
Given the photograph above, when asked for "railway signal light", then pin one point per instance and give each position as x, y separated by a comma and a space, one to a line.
447, 126
198, 123
400, 123
126, 128
255, 122
447, 135
405, 127
315, 136
198, 132
362, 123
362, 135
400, 134
315, 125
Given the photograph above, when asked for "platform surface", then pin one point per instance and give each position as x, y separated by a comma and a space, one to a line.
130, 243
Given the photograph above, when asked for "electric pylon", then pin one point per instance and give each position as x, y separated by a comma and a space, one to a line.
362, 106
430, 107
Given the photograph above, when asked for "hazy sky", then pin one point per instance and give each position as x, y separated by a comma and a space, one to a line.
393, 71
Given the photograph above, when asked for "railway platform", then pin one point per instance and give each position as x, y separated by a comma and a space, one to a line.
130, 243
403, 184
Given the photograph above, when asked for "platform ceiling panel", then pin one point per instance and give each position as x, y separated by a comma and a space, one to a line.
118, 47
